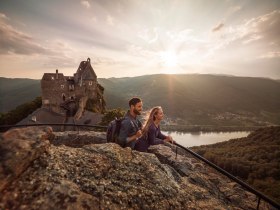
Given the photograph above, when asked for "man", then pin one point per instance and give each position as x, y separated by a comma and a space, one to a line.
131, 127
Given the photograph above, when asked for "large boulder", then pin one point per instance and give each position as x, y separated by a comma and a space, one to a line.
19, 148
106, 176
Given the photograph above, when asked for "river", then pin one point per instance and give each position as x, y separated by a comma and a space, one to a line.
202, 138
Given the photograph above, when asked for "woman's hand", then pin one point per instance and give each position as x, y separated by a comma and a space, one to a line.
169, 139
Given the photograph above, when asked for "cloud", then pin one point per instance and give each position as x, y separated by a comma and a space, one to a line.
148, 35
180, 36
58, 61
257, 32
253, 37
14, 41
232, 10
94, 19
110, 20
60, 54
103, 60
218, 27
86, 4
270, 55
139, 51
17, 42
266, 26
3, 16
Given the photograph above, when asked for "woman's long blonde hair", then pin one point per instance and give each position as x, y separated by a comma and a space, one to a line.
150, 119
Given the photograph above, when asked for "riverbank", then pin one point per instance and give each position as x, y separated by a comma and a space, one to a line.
190, 139
208, 128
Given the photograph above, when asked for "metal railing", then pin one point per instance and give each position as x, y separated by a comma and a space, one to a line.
6, 127
222, 171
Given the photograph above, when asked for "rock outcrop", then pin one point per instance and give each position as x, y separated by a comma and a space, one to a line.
41, 174
19, 149
78, 138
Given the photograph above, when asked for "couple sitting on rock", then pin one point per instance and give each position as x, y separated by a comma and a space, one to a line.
133, 134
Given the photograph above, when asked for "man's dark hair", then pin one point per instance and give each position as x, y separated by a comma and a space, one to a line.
134, 101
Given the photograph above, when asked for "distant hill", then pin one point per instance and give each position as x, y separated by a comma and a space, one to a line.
14, 92
188, 99
254, 158
201, 99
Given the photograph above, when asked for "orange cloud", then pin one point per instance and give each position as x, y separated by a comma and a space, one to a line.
218, 27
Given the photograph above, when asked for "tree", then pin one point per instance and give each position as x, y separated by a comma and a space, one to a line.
111, 115
20, 112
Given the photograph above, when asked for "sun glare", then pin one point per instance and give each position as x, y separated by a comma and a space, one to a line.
168, 58
169, 61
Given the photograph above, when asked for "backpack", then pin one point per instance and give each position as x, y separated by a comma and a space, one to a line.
113, 130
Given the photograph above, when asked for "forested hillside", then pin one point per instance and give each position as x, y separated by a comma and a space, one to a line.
14, 92
201, 99
255, 159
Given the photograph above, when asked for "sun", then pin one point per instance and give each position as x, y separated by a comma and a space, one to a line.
169, 58
169, 62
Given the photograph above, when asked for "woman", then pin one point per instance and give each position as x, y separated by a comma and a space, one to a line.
151, 134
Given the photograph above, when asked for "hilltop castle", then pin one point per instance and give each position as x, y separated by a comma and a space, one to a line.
70, 95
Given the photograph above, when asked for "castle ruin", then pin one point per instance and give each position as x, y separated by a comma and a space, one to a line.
70, 95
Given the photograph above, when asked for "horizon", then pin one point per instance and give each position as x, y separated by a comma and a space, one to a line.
198, 74
129, 38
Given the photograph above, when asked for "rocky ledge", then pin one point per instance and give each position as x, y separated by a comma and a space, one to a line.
39, 172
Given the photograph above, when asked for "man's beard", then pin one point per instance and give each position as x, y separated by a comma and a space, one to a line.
136, 112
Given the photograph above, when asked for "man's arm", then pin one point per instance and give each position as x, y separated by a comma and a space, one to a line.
134, 137
125, 135
123, 132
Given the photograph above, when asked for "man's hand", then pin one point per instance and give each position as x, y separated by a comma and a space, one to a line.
134, 137
138, 134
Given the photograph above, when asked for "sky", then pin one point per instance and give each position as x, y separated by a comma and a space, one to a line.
126, 38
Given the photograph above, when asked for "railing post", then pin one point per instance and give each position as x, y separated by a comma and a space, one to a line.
259, 200
176, 153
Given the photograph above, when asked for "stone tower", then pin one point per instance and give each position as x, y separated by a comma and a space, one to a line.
69, 95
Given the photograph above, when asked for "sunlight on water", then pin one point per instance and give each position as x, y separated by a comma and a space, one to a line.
199, 138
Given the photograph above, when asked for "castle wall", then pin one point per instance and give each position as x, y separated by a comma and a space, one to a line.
52, 94
57, 89
88, 88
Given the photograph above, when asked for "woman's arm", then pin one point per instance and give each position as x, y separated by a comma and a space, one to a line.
161, 135
164, 137
152, 138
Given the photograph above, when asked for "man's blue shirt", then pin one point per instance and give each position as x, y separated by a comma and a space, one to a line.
129, 127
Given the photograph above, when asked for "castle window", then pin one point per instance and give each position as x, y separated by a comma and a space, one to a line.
90, 83
52, 78
63, 97
71, 87
62, 86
